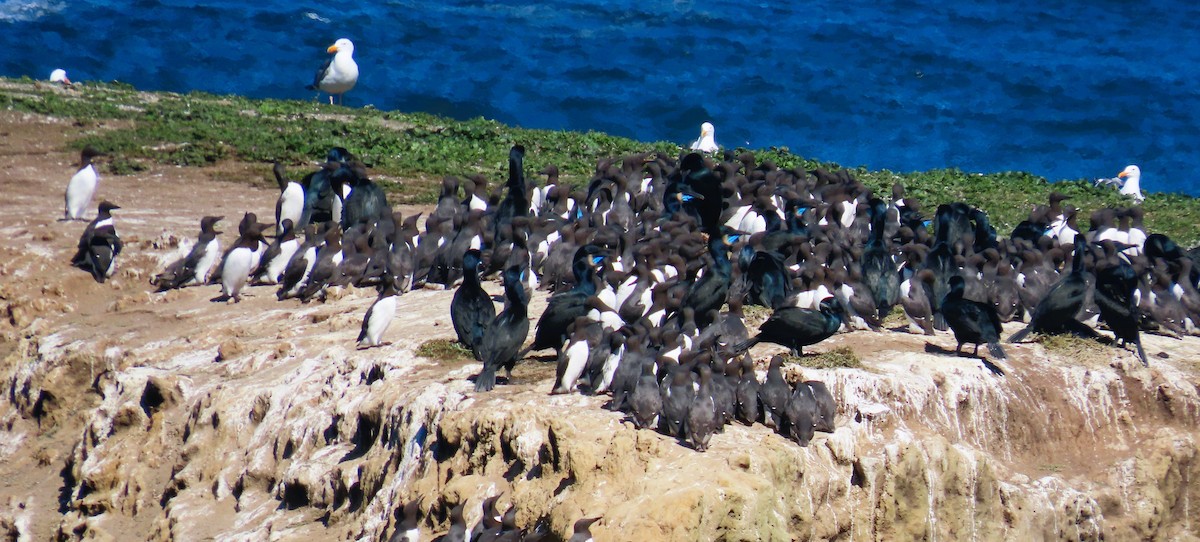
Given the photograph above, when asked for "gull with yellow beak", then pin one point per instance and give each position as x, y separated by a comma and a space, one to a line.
707, 141
1133, 183
340, 72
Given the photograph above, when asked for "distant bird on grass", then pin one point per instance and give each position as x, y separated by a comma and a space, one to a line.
1128, 181
60, 76
707, 141
339, 73
1133, 183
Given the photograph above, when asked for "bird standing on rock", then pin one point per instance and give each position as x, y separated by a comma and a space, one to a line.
238, 263
82, 185
99, 245
1056, 311
971, 321
290, 205
801, 414
193, 268
774, 394
504, 336
702, 419
646, 401
339, 73
796, 327
471, 309
380, 315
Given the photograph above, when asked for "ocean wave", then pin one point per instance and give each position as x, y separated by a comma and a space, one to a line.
316, 17
21, 11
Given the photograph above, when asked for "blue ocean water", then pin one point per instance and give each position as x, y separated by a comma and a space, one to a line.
1062, 89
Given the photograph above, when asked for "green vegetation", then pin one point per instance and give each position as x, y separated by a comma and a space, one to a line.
896, 318
445, 351
753, 316
1076, 349
842, 356
409, 152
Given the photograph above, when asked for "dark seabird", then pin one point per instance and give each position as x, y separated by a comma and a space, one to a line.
801, 414
582, 530
458, 526
1116, 282
99, 245
702, 413
322, 271
646, 400
489, 520
471, 309
677, 395
1055, 313
563, 308
774, 394
367, 203
323, 189
194, 268
878, 265
407, 530
746, 392
796, 327
503, 338
299, 265
826, 408
972, 322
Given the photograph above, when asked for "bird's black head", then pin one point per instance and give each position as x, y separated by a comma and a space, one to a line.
338, 154
472, 260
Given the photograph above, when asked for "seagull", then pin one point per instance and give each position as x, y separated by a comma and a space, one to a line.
60, 76
339, 73
706, 142
1133, 180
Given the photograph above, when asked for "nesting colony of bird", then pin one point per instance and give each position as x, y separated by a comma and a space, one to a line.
649, 265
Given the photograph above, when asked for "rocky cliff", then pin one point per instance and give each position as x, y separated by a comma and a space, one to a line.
129, 415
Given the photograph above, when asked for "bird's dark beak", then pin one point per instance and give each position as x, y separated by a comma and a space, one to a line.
687, 195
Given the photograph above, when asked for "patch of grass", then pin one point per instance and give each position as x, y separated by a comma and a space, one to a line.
200, 129
896, 318
842, 356
1076, 349
445, 351
755, 315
